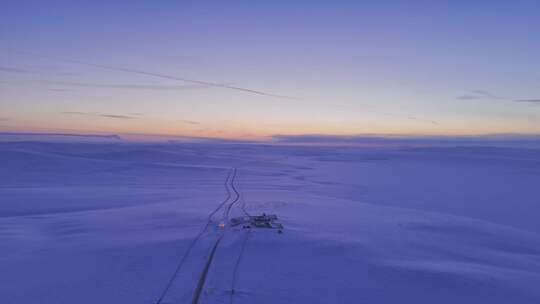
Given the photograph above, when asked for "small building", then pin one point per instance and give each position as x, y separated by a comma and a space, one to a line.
258, 221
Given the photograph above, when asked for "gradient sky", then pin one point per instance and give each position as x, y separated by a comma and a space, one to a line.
326, 67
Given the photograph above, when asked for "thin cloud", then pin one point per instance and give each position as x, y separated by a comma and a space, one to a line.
114, 116
468, 97
117, 116
529, 101
423, 120
190, 122
164, 76
419, 119
129, 86
485, 93
482, 94
77, 113
478, 94
12, 70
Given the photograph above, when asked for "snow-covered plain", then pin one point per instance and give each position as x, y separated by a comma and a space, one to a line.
109, 222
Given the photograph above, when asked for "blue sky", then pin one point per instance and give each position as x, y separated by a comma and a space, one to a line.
324, 67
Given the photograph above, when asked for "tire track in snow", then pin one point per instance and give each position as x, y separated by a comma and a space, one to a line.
236, 199
202, 279
231, 173
237, 265
225, 221
232, 191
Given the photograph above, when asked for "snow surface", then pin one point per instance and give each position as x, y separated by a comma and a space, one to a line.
109, 222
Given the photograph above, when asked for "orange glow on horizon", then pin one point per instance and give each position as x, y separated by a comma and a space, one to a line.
257, 135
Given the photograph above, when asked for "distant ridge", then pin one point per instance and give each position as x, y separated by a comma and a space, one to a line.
401, 140
57, 136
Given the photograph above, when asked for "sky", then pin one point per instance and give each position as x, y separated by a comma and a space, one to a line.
251, 69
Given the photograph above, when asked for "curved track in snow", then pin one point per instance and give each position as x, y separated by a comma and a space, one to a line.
229, 186
225, 221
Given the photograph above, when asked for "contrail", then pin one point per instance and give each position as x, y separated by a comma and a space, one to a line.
531, 101
159, 75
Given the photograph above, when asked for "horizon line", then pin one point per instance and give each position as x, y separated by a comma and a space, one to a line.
306, 138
